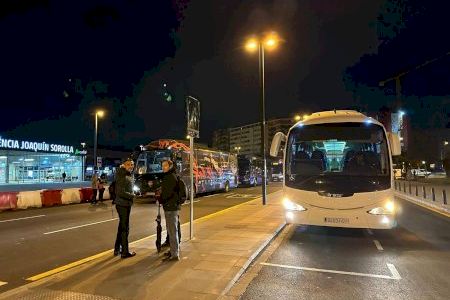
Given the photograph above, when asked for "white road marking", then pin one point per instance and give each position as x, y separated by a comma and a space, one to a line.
188, 202
39, 216
75, 227
395, 273
369, 231
394, 277
3, 283
378, 245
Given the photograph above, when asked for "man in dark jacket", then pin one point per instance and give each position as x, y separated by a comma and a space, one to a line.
171, 204
124, 201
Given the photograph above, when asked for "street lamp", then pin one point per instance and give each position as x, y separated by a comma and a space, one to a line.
268, 41
237, 149
98, 113
83, 161
297, 118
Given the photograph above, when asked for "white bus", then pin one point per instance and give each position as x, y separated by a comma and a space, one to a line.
338, 171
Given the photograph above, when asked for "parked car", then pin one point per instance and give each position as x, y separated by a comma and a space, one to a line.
420, 172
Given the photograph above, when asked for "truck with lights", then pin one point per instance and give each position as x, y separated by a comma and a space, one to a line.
338, 171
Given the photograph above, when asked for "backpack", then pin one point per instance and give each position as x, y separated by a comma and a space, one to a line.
112, 191
181, 190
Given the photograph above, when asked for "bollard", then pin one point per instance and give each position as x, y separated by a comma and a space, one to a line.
404, 187
417, 190
444, 196
433, 195
409, 188
395, 185
424, 192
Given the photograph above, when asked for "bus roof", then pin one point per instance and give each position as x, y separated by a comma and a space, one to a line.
336, 116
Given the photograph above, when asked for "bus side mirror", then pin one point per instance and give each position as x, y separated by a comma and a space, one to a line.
276, 143
394, 141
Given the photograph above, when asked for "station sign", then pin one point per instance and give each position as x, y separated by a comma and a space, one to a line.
22, 145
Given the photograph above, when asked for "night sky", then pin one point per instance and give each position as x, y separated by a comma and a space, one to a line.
63, 59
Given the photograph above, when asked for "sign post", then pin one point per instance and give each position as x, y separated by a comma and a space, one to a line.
193, 130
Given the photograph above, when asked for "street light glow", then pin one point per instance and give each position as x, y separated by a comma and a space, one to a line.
100, 113
251, 45
271, 41
297, 118
445, 143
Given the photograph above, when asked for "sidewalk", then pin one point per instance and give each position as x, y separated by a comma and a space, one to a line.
225, 244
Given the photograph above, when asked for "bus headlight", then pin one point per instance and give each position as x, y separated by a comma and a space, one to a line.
387, 209
136, 188
289, 205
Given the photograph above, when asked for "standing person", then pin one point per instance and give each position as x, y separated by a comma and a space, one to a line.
101, 188
171, 204
124, 201
64, 176
94, 185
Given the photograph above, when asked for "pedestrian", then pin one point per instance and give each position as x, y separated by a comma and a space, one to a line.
64, 176
171, 204
124, 201
94, 185
101, 188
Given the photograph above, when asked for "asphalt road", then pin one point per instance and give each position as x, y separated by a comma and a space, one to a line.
409, 262
38, 240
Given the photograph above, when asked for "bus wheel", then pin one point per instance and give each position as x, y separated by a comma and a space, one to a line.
195, 192
227, 187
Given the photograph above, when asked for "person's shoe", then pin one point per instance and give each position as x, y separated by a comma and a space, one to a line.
129, 254
165, 244
172, 258
167, 254
116, 252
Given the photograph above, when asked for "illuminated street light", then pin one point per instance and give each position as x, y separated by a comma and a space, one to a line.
445, 143
237, 149
98, 113
261, 43
423, 162
297, 118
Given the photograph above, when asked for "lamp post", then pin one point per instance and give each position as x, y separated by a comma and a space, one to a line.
83, 158
98, 113
261, 43
237, 149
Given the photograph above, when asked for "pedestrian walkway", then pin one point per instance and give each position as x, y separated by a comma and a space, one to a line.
225, 244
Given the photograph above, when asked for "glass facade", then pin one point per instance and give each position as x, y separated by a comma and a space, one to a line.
31, 167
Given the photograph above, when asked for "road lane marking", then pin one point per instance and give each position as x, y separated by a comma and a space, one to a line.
25, 218
79, 226
3, 283
369, 231
395, 273
378, 245
395, 276
187, 202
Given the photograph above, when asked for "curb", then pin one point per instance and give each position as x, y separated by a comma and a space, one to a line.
430, 206
252, 258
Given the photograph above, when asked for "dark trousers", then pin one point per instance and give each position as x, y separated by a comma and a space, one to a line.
94, 196
100, 194
123, 229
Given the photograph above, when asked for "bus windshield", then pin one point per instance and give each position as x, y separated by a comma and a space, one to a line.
150, 161
338, 158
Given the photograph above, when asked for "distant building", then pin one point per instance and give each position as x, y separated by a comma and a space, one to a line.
246, 139
396, 122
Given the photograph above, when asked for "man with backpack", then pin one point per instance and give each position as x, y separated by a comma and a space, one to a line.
171, 201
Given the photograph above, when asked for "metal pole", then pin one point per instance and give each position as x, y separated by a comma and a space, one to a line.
263, 122
95, 142
191, 167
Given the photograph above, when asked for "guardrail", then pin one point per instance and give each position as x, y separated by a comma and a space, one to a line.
434, 196
48, 197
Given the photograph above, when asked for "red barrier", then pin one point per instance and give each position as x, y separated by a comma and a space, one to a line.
8, 200
51, 197
86, 194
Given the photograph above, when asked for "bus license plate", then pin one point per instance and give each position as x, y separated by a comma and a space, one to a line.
337, 220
